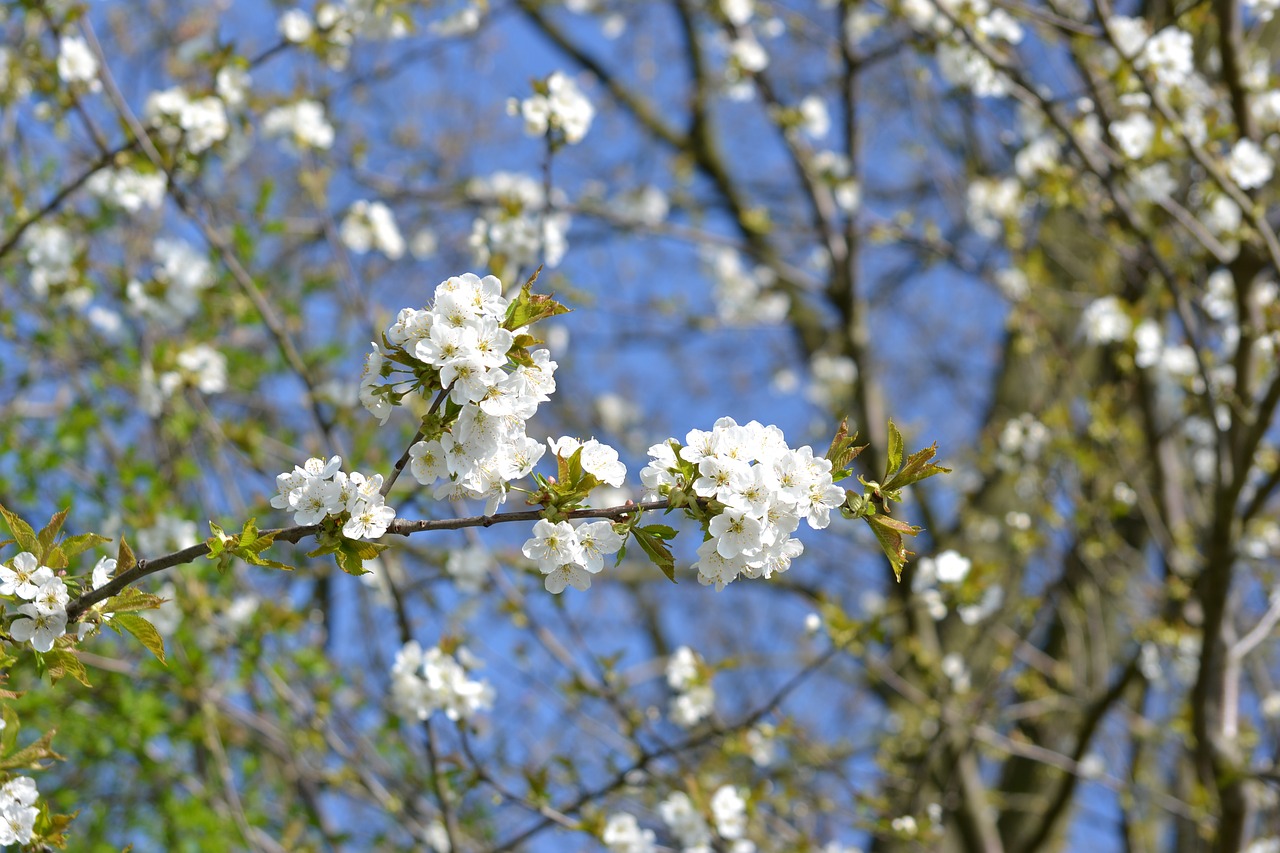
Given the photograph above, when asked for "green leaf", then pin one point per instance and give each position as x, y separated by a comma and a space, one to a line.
352, 553
843, 450
895, 451
73, 545
130, 600
124, 557
22, 532
41, 750
529, 307
917, 468
889, 532
50, 531
662, 531
144, 632
657, 550
60, 663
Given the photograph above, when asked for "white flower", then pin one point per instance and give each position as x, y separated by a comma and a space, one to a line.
41, 629
1249, 166
204, 122
295, 26
762, 745
682, 668
815, 121
206, 368
427, 462
232, 84
369, 520
24, 576
1134, 134
371, 225
597, 539
1168, 55
52, 597
685, 822
622, 834
951, 567
1105, 321
423, 683
560, 106
730, 812
567, 574
302, 123
103, 571
128, 190
76, 63
736, 533
906, 825
553, 545
739, 12
692, 706
18, 811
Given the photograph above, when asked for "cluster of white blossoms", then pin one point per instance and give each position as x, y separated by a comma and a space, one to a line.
76, 63
338, 24
201, 367
18, 810
301, 124
1249, 165
517, 223
44, 619
198, 123
694, 698
991, 203
51, 252
459, 340
834, 170
557, 105
765, 488
623, 833
962, 57
693, 832
172, 295
370, 225
127, 189
570, 555
1105, 321
318, 490
425, 682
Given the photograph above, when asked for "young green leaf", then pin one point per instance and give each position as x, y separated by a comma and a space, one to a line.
39, 751
144, 632
657, 550
124, 557
843, 450
50, 531
894, 460
81, 542
529, 307
917, 468
60, 663
22, 532
130, 600
889, 532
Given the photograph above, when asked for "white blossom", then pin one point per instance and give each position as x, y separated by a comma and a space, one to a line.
1249, 166
371, 225
559, 105
76, 63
